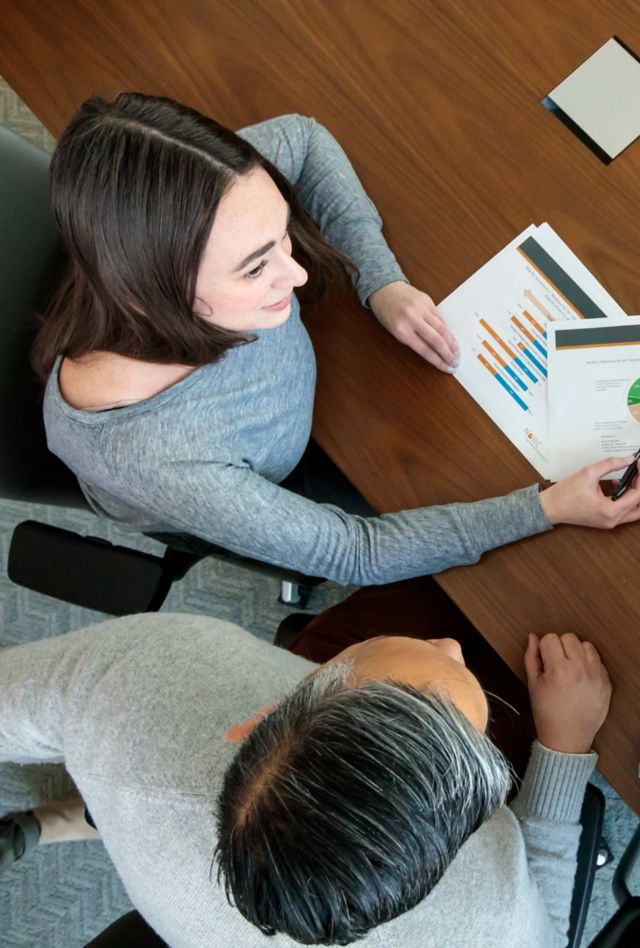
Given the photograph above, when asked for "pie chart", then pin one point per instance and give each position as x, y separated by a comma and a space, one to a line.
633, 400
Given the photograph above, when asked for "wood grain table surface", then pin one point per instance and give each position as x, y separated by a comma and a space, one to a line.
437, 103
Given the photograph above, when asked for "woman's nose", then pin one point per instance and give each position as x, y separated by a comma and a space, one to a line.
291, 273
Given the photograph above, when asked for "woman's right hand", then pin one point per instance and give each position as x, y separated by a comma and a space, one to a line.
569, 689
580, 499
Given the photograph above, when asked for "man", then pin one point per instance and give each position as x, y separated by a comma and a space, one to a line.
364, 799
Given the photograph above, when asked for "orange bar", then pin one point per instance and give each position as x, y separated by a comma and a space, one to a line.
486, 364
533, 321
599, 345
522, 329
538, 304
495, 355
497, 338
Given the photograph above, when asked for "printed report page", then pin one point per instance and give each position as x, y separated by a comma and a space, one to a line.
500, 317
594, 392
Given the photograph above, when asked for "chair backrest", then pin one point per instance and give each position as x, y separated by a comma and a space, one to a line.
31, 261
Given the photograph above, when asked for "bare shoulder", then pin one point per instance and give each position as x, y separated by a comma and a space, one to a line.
104, 380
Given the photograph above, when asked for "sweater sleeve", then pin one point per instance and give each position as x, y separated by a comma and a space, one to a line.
32, 685
239, 510
312, 160
548, 810
47, 686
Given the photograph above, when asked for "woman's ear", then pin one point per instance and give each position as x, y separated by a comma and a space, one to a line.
239, 732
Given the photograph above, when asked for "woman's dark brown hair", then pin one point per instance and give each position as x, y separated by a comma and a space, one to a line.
135, 186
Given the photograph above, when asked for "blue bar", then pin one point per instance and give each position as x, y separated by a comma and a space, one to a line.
526, 371
537, 364
516, 378
511, 392
540, 348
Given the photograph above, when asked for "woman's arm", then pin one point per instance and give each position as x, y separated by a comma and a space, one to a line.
309, 156
311, 159
239, 510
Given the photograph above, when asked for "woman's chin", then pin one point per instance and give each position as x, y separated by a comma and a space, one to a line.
272, 320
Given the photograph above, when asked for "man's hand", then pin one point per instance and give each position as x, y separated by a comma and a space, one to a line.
569, 689
411, 316
579, 499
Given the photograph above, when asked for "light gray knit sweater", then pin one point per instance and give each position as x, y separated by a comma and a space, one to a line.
138, 708
206, 455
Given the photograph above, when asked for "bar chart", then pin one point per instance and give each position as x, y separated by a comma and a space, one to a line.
517, 362
501, 317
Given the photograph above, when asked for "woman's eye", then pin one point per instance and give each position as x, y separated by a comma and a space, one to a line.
252, 274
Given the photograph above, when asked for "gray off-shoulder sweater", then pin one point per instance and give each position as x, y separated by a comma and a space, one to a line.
205, 457
139, 708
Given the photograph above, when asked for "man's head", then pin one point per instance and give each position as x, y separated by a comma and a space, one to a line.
346, 803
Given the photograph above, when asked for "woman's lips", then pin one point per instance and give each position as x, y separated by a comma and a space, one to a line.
275, 307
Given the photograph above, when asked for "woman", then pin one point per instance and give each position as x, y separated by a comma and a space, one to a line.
180, 378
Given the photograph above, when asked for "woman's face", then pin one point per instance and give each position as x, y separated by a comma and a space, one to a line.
247, 275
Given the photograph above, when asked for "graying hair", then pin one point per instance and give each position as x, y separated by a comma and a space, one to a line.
346, 804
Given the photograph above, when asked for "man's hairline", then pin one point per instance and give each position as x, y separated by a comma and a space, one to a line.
424, 689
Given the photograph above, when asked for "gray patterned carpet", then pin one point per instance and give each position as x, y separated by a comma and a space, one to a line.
61, 896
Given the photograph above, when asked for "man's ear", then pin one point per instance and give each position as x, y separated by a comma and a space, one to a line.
239, 732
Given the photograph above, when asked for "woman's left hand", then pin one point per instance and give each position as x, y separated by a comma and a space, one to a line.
412, 317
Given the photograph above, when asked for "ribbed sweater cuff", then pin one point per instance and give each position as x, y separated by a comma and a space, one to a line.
374, 280
554, 784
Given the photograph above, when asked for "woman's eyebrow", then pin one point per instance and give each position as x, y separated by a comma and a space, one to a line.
262, 250
256, 253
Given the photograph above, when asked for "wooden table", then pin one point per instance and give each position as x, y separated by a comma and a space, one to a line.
437, 104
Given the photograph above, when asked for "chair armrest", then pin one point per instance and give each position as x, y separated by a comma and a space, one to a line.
87, 571
591, 818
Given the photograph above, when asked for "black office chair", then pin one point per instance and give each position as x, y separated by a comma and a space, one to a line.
130, 931
592, 820
623, 929
86, 571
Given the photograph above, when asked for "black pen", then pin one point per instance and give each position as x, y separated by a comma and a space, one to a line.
626, 480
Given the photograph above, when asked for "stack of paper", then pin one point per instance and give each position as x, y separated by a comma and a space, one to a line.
501, 318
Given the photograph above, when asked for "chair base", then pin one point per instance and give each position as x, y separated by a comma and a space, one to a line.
294, 594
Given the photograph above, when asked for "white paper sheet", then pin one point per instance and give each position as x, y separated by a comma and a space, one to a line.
499, 317
594, 392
